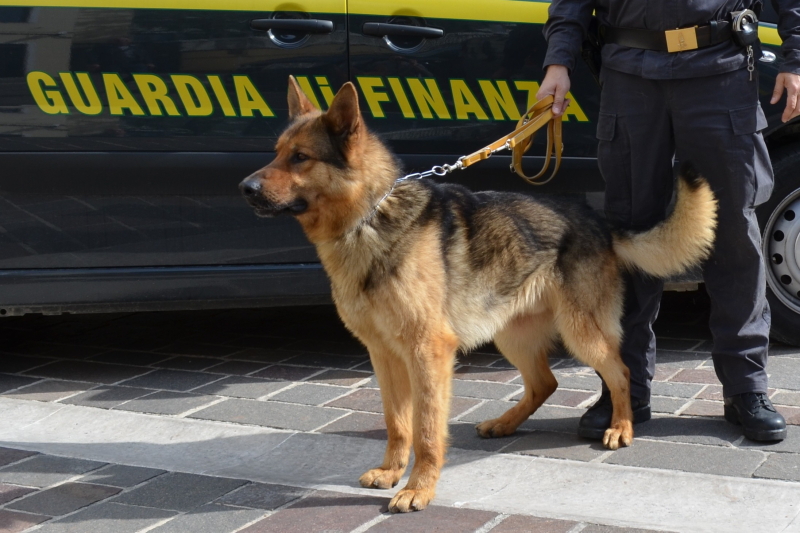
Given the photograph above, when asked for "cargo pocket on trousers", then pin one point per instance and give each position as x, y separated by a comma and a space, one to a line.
606, 123
748, 121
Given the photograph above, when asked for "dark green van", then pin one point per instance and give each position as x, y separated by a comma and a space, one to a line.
125, 127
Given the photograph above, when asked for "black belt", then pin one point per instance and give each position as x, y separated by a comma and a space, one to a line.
678, 40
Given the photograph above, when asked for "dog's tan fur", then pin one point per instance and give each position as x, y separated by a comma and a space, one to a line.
437, 269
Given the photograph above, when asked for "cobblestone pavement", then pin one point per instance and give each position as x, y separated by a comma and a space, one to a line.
297, 372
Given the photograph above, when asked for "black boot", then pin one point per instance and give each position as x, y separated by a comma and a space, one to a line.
757, 416
597, 419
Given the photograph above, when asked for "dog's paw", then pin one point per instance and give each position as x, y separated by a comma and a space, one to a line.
379, 478
494, 428
410, 500
621, 434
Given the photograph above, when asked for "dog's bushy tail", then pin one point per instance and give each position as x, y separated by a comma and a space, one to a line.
681, 241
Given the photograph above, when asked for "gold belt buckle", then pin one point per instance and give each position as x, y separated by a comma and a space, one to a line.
681, 39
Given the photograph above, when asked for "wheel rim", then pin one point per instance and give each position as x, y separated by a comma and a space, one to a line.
781, 245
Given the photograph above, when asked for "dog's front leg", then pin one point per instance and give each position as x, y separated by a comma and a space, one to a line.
395, 388
430, 369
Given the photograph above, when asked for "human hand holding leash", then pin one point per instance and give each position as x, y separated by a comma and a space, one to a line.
787, 80
556, 83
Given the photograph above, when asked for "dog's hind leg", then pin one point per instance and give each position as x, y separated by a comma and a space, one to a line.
525, 342
395, 389
430, 365
584, 335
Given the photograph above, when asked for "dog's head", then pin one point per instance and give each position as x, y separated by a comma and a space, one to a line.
318, 171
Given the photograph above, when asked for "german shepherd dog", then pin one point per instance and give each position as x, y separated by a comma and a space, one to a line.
420, 270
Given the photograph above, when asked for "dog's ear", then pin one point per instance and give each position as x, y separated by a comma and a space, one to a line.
299, 104
343, 118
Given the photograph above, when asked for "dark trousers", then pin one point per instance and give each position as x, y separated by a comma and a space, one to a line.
714, 123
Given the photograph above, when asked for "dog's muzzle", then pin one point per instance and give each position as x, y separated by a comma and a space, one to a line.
252, 191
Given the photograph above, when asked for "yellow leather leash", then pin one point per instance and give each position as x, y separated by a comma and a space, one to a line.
518, 141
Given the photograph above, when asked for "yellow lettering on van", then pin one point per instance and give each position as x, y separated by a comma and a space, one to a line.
532, 87
465, 102
369, 84
325, 88
193, 95
119, 97
154, 93
427, 99
92, 105
50, 102
249, 98
401, 97
573, 109
222, 96
499, 99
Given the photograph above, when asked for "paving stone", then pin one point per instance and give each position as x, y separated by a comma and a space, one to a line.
12, 492
688, 458
12, 522
179, 492
787, 398
9, 382
130, 357
270, 414
780, 466
19, 363
345, 378
366, 366
353, 348
286, 373
665, 372
322, 512
121, 475
711, 392
556, 445
174, 380
197, 348
790, 444
668, 344
478, 359
687, 359
63, 499
363, 425
9, 455
546, 418
106, 397
50, 390
597, 528
361, 400
237, 368
460, 405
578, 381
704, 408
187, 363
569, 398
707, 431
485, 374
435, 518
791, 414
265, 496
527, 524
784, 373
675, 390
88, 371
324, 360
167, 403
210, 518
708, 377
310, 394
45, 470
660, 404
480, 389
263, 355
243, 387
74, 351
107, 517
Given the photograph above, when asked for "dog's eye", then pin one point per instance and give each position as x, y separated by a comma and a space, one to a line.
299, 157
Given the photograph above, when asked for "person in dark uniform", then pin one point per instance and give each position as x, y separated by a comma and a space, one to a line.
690, 94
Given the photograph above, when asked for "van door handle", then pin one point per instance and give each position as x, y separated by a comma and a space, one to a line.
380, 29
298, 25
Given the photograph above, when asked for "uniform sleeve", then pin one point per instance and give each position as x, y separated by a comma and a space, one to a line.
789, 31
565, 29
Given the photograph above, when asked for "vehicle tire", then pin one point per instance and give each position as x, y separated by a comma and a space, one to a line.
779, 220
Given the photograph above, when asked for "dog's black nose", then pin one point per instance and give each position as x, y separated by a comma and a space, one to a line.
250, 187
